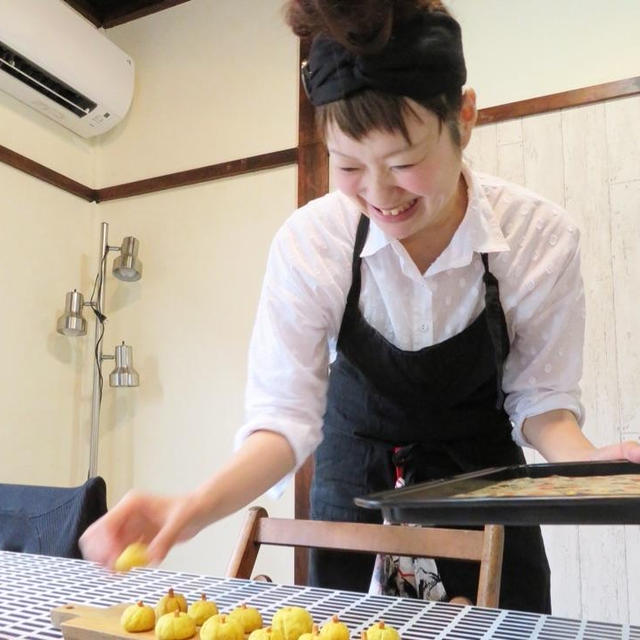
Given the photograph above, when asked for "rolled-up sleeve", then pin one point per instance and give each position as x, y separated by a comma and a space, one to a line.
288, 364
544, 366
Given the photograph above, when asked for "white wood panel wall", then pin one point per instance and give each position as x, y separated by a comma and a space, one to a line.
588, 160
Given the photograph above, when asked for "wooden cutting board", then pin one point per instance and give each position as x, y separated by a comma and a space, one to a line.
79, 622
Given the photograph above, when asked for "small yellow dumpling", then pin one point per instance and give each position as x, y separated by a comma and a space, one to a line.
310, 636
171, 602
248, 617
138, 617
176, 625
268, 633
221, 627
381, 631
135, 555
334, 630
202, 610
292, 622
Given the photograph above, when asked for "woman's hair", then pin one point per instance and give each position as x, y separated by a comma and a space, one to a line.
365, 27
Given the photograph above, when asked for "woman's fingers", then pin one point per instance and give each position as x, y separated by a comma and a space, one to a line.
157, 521
627, 450
130, 520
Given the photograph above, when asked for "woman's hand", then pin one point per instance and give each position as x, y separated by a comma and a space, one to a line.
627, 450
557, 436
158, 521
161, 521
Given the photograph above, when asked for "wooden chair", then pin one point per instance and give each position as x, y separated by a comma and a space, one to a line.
483, 546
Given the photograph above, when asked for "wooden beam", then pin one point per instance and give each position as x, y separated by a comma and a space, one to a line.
313, 182
86, 10
202, 174
37, 170
126, 13
120, 12
563, 100
313, 175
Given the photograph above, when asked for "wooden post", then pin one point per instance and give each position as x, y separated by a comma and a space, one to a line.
313, 181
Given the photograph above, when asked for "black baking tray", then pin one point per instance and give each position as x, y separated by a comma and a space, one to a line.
435, 503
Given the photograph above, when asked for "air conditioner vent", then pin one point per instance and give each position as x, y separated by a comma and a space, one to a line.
48, 85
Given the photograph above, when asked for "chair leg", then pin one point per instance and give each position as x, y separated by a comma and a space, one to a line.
246, 551
491, 566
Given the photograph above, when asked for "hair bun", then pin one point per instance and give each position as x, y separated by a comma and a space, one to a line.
361, 26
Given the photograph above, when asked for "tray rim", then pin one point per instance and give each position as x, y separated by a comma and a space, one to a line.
393, 498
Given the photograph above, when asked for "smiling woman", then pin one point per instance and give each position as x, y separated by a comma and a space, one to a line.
422, 320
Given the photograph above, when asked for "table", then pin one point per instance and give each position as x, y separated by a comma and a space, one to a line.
32, 585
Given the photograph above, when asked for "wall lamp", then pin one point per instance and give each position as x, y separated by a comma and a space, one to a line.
128, 268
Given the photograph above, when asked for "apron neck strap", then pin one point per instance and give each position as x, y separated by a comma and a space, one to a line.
361, 238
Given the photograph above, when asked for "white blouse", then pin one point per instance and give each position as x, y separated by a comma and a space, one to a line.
533, 249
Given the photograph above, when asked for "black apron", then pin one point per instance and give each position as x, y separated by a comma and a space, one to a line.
442, 405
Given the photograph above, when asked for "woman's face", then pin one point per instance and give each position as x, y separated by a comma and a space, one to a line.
405, 188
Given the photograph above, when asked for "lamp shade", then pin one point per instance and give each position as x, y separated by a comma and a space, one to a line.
127, 266
124, 375
72, 322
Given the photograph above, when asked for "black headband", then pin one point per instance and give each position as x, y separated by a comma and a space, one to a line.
422, 59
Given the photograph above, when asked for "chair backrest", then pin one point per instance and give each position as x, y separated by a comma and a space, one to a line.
49, 520
484, 546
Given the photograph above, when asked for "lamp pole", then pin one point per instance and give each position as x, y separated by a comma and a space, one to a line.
95, 398
129, 269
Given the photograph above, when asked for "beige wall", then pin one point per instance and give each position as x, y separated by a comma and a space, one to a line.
518, 49
216, 80
43, 393
189, 319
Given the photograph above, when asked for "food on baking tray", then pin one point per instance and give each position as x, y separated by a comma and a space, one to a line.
171, 602
381, 631
268, 633
610, 486
202, 610
248, 617
334, 630
135, 555
310, 636
292, 622
176, 625
138, 617
221, 627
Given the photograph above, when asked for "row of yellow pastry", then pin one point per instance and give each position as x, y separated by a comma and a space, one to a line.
175, 619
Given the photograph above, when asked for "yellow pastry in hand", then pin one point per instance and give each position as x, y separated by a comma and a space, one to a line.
248, 617
221, 627
334, 630
268, 633
381, 631
171, 602
202, 609
310, 636
138, 617
176, 625
292, 622
135, 555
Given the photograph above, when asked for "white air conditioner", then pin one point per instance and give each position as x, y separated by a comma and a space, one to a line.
58, 63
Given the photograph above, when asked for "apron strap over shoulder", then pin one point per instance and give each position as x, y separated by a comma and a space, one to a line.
497, 326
